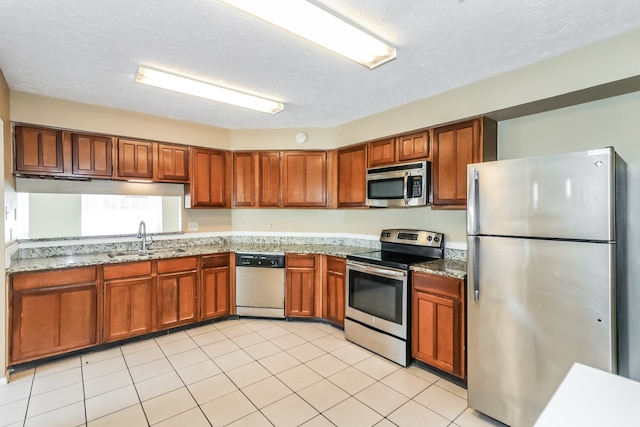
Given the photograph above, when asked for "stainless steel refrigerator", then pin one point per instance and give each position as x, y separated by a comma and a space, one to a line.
545, 253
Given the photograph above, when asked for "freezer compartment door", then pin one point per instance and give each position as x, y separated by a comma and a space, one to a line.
541, 306
566, 196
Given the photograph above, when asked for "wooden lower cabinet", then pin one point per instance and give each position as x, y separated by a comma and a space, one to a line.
53, 312
177, 285
301, 291
438, 322
334, 292
128, 300
215, 298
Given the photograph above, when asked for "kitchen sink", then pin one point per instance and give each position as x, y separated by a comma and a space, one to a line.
144, 253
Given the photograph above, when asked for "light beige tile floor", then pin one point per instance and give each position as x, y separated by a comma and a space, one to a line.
244, 372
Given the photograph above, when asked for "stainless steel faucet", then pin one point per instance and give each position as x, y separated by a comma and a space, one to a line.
142, 233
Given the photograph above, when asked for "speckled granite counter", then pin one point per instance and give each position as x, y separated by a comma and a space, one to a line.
444, 267
76, 253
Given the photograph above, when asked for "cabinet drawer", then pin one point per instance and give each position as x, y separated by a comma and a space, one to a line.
177, 264
213, 261
438, 285
336, 264
35, 280
301, 260
132, 269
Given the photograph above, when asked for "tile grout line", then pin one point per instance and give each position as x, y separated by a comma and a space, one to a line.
133, 383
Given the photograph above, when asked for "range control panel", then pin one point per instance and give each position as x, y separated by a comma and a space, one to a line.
412, 237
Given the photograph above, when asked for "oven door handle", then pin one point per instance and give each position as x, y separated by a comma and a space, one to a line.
366, 268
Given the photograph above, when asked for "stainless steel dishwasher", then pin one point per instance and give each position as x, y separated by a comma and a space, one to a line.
260, 284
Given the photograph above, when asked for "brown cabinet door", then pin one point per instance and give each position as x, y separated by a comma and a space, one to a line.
53, 320
208, 184
438, 322
215, 292
176, 299
244, 179
172, 163
382, 152
135, 159
352, 171
455, 147
127, 308
305, 179
38, 151
269, 179
301, 285
413, 147
334, 294
92, 155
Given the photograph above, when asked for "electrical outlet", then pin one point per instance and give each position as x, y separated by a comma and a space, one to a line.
192, 226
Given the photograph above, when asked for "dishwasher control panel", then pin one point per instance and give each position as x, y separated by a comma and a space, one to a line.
263, 260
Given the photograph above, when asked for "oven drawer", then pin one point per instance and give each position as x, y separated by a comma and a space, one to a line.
440, 285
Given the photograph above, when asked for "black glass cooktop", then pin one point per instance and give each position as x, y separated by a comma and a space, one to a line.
391, 259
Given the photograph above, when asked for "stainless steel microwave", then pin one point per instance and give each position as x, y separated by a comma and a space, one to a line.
400, 185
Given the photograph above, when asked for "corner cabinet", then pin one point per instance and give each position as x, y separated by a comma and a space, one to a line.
53, 312
438, 332
302, 297
455, 146
352, 172
333, 301
210, 183
304, 181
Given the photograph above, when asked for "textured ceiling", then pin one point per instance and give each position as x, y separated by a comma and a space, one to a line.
88, 51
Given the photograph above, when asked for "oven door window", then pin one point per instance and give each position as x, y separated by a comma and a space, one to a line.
375, 295
392, 188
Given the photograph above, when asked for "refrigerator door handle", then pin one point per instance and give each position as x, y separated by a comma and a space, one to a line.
473, 200
474, 255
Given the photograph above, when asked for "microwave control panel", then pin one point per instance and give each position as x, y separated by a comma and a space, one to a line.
415, 186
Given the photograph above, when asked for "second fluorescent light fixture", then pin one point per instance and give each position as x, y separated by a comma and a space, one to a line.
206, 90
321, 27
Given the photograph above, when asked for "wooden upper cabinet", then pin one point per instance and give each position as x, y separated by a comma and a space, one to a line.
210, 185
415, 146
92, 155
269, 179
135, 159
382, 152
244, 179
455, 146
172, 164
304, 179
38, 151
352, 171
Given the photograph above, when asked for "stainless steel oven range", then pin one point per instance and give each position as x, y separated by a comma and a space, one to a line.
378, 291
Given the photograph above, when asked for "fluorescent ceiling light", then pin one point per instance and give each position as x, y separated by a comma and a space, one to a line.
206, 90
321, 27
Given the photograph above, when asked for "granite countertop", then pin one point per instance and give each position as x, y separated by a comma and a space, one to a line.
443, 267
56, 262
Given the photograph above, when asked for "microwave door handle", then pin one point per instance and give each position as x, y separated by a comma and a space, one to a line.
406, 188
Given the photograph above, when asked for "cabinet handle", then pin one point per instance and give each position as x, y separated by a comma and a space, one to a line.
473, 255
473, 224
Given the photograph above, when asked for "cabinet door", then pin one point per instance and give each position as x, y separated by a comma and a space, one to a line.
127, 308
413, 147
38, 150
352, 171
244, 179
92, 155
215, 292
300, 298
305, 179
208, 179
334, 294
53, 320
382, 152
135, 159
269, 179
176, 299
172, 163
